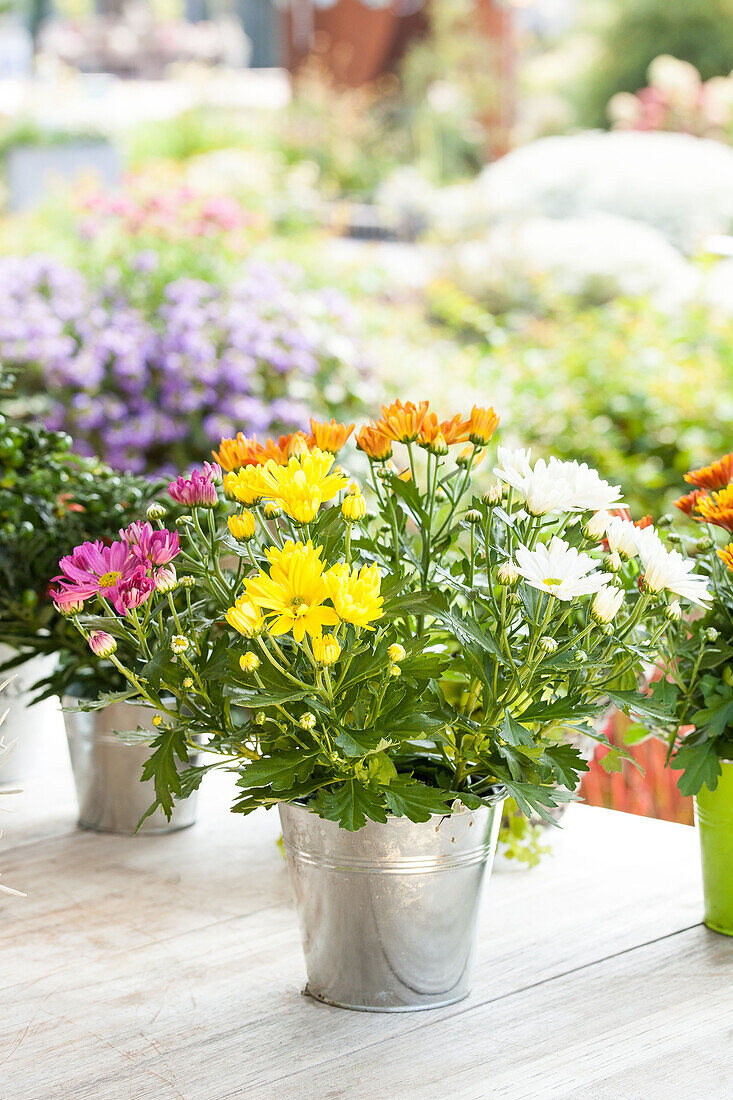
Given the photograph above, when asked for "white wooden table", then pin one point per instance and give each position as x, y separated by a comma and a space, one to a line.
153, 968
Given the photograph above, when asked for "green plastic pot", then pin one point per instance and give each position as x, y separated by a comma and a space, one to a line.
714, 817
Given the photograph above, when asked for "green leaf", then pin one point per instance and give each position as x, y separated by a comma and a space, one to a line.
632, 702
279, 772
351, 805
514, 732
408, 797
358, 743
701, 767
567, 763
162, 768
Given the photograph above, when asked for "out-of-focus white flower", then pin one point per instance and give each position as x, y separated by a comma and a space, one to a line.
560, 570
666, 570
589, 488
678, 80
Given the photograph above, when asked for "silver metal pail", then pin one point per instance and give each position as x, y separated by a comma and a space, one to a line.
28, 727
107, 772
388, 914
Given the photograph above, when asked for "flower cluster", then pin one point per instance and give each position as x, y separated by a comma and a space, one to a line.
126, 573
677, 98
144, 382
697, 680
322, 615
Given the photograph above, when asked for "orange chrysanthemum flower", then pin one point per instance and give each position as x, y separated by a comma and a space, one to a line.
482, 425
437, 437
715, 476
374, 443
233, 454
688, 504
718, 508
329, 435
402, 422
726, 556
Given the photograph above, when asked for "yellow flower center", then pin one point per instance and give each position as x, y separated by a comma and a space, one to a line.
552, 582
108, 579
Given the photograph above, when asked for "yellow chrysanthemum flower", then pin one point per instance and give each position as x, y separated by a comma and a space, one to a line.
326, 649
726, 556
293, 593
396, 652
300, 487
718, 508
245, 617
249, 662
355, 593
246, 485
242, 526
353, 507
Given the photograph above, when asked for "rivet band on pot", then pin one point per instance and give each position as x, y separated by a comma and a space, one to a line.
416, 865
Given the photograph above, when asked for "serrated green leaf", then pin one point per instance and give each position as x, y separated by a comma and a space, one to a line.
279, 772
408, 797
351, 805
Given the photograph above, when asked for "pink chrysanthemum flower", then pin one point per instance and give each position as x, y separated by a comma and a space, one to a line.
198, 490
151, 546
133, 591
93, 569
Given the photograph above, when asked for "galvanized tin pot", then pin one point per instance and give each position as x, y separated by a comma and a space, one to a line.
388, 914
112, 799
714, 817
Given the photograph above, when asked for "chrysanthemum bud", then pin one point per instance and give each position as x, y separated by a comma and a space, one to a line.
249, 662
493, 496
187, 582
272, 510
711, 634
470, 456
71, 607
157, 720
260, 718
674, 538
507, 574
396, 653
613, 562
438, 446
188, 683
326, 649
179, 643
514, 599
155, 511
674, 612
165, 579
580, 657
395, 671
606, 604
242, 526
595, 528
704, 543
102, 644
353, 507
183, 521
473, 516
665, 521
548, 644
307, 721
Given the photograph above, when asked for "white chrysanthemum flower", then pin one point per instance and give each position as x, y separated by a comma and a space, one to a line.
541, 489
589, 488
560, 570
512, 466
606, 604
667, 570
621, 537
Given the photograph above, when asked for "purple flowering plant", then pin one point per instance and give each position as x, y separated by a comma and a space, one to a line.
145, 377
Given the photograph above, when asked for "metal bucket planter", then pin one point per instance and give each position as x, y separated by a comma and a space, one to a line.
27, 726
714, 817
107, 770
388, 914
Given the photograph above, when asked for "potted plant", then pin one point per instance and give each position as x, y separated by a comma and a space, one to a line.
697, 684
49, 498
385, 666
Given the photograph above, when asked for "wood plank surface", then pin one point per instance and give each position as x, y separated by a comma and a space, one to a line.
161, 967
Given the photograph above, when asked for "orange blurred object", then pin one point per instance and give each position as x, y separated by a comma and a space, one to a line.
653, 794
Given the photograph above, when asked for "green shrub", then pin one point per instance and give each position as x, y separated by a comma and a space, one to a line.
699, 31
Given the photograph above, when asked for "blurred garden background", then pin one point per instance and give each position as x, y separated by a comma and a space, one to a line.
225, 215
